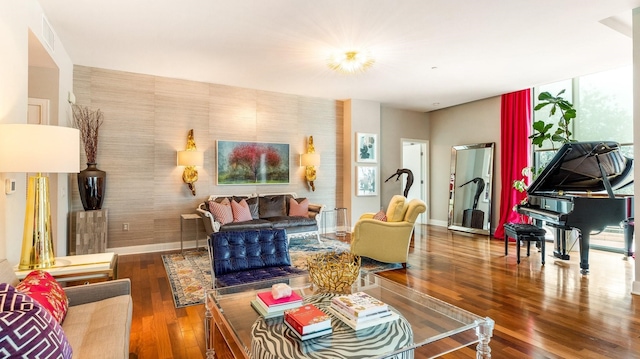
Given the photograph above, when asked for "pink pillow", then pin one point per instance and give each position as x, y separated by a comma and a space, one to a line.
222, 212
380, 216
44, 289
241, 211
299, 209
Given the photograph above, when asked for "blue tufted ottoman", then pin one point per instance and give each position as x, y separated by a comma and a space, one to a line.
241, 257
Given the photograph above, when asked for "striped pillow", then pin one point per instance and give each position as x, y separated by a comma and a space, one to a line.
241, 211
222, 212
380, 216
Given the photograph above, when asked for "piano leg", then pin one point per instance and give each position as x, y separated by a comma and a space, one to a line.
583, 240
560, 250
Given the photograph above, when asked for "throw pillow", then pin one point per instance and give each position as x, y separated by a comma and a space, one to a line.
380, 216
222, 212
253, 205
396, 209
299, 209
28, 330
43, 288
240, 211
272, 206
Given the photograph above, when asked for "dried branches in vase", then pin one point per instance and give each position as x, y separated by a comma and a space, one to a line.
91, 181
88, 122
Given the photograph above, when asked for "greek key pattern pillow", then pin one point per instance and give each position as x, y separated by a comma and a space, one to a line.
28, 330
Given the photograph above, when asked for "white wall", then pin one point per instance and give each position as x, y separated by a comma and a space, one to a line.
396, 125
359, 116
17, 17
474, 122
636, 136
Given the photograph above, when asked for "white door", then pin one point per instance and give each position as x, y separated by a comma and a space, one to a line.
414, 158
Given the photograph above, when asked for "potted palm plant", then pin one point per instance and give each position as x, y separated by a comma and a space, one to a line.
91, 181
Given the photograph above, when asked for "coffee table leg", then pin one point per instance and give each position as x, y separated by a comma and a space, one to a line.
209, 325
484, 331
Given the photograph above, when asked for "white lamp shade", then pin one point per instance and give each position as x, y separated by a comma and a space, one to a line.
39, 148
310, 159
190, 158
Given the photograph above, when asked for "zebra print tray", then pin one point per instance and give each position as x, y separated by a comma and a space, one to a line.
271, 339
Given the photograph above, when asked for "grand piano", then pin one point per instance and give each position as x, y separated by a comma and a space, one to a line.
576, 191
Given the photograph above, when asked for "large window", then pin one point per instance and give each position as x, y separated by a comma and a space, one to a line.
604, 111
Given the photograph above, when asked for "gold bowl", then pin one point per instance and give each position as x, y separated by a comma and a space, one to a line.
333, 272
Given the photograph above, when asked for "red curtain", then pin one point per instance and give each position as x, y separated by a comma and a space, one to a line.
515, 128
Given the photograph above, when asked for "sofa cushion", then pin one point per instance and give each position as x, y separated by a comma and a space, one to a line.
95, 329
253, 224
253, 205
396, 209
28, 330
272, 206
254, 275
42, 287
235, 251
299, 207
221, 211
240, 211
288, 222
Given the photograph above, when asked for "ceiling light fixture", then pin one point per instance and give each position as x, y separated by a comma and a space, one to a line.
350, 62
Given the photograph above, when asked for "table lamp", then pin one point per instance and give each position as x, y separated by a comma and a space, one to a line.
38, 149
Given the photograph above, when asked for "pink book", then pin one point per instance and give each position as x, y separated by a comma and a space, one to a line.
267, 299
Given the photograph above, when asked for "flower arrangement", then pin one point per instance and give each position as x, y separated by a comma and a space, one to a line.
88, 122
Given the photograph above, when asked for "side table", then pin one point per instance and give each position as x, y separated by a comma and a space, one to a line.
80, 267
187, 217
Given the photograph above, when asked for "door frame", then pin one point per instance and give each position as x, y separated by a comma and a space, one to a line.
424, 217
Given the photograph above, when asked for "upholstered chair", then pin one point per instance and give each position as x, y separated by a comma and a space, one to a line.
387, 241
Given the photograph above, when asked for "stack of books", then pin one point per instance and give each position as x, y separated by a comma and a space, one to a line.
268, 307
360, 310
308, 321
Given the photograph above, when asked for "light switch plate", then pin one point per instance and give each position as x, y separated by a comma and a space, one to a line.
9, 186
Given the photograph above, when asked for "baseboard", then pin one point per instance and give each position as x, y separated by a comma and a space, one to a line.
435, 222
635, 288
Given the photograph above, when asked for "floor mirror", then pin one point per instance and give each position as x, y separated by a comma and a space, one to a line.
470, 188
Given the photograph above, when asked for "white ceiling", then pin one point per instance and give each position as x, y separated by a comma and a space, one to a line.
430, 54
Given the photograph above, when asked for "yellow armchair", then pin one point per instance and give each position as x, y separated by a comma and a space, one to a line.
387, 241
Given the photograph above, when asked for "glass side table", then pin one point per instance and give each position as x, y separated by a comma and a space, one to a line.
188, 217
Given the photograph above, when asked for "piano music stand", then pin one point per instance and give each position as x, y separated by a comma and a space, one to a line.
524, 232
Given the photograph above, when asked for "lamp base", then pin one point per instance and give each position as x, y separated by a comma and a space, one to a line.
37, 242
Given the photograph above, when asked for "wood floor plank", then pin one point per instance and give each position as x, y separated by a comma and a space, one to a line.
549, 311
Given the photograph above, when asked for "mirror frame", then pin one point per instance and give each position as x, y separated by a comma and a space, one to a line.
488, 191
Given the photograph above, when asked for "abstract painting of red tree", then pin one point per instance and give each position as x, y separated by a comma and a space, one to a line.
252, 162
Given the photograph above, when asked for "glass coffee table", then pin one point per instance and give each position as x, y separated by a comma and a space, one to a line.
426, 322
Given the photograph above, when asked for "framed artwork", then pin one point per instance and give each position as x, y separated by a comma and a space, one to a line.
366, 180
366, 151
250, 163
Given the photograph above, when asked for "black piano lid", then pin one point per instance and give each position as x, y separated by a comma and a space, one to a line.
575, 168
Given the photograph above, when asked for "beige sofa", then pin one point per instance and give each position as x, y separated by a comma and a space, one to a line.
98, 322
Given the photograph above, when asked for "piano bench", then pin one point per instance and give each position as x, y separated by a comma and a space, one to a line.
524, 232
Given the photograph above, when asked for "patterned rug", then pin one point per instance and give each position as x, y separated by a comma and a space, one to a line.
190, 274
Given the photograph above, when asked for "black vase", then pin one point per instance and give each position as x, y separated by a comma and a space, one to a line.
91, 184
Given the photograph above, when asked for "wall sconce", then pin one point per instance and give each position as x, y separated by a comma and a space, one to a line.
190, 158
310, 160
38, 149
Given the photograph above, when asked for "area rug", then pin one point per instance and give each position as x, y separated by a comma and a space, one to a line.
190, 275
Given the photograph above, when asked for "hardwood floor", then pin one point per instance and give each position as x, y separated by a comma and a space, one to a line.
549, 311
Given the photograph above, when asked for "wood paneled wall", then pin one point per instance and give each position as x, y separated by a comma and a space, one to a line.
146, 121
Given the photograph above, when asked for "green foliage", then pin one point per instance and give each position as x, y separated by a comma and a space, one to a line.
541, 130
